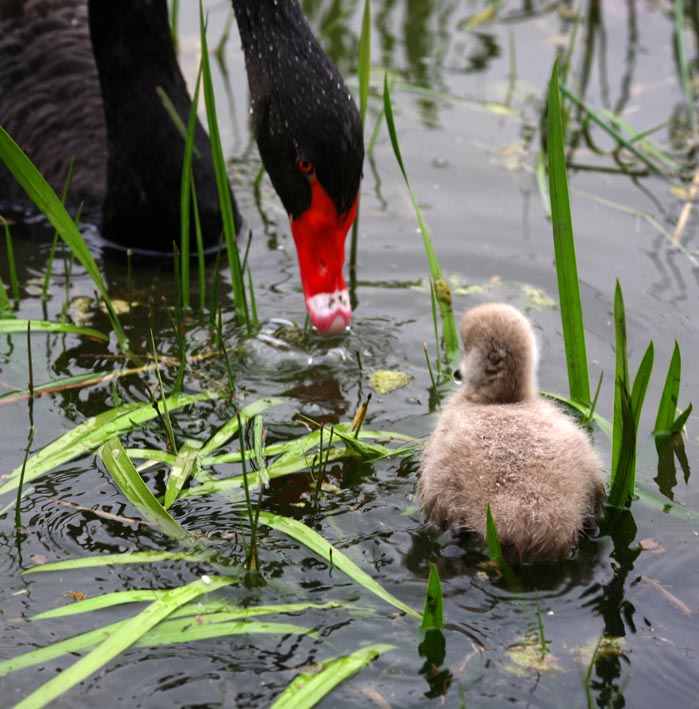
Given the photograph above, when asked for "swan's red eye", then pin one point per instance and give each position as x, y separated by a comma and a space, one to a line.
306, 166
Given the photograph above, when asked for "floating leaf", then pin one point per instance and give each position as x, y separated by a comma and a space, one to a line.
384, 381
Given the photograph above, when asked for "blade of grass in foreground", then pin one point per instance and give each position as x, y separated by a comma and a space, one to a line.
224, 192
90, 434
131, 484
133, 557
564, 248
496, 555
442, 291
669, 399
14, 325
308, 688
11, 265
433, 613
48, 204
311, 539
123, 638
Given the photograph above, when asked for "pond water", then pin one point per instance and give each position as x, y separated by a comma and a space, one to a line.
468, 106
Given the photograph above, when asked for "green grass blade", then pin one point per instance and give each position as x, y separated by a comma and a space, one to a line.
683, 64
92, 433
433, 613
182, 469
442, 290
496, 555
230, 429
15, 325
640, 384
224, 193
308, 688
76, 644
621, 375
185, 631
124, 637
623, 479
364, 60
681, 420
564, 248
48, 204
133, 557
5, 305
106, 600
11, 265
258, 432
170, 631
669, 399
313, 541
131, 484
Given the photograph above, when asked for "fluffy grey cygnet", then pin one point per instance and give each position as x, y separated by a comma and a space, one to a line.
498, 442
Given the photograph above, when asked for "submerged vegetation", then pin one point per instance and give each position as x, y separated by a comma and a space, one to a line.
200, 463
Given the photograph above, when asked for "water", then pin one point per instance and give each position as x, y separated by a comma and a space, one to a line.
472, 172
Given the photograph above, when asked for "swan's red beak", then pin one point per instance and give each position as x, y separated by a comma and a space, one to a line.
319, 234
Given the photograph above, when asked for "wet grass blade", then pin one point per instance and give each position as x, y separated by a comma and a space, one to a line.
442, 290
48, 203
5, 305
564, 249
683, 64
667, 408
224, 193
15, 325
134, 557
364, 74
178, 628
182, 469
11, 265
313, 541
123, 638
230, 429
433, 613
187, 196
89, 435
106, 600
54, 243
627, 409
623, 477
308, 688
364, 60
496, 555
131, 484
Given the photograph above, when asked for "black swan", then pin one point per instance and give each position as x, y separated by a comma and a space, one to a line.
79, 78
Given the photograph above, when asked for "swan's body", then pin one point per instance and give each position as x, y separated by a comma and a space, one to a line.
80, 78
498, 443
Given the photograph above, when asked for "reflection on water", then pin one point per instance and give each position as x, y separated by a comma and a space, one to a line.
623, 607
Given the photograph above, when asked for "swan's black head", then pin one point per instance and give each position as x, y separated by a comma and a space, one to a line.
309, 134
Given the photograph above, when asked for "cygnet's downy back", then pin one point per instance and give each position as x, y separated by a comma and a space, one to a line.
498, 443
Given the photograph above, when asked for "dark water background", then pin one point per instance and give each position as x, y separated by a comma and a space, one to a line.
472, 169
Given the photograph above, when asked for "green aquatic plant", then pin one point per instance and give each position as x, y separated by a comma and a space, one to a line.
308, 688
240, 299
564, 250
40, 192
433, 613
441, 287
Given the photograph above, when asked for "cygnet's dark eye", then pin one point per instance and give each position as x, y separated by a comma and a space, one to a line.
306, 166
458, 376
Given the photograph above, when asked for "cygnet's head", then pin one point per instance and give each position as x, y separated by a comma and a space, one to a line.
500, 355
